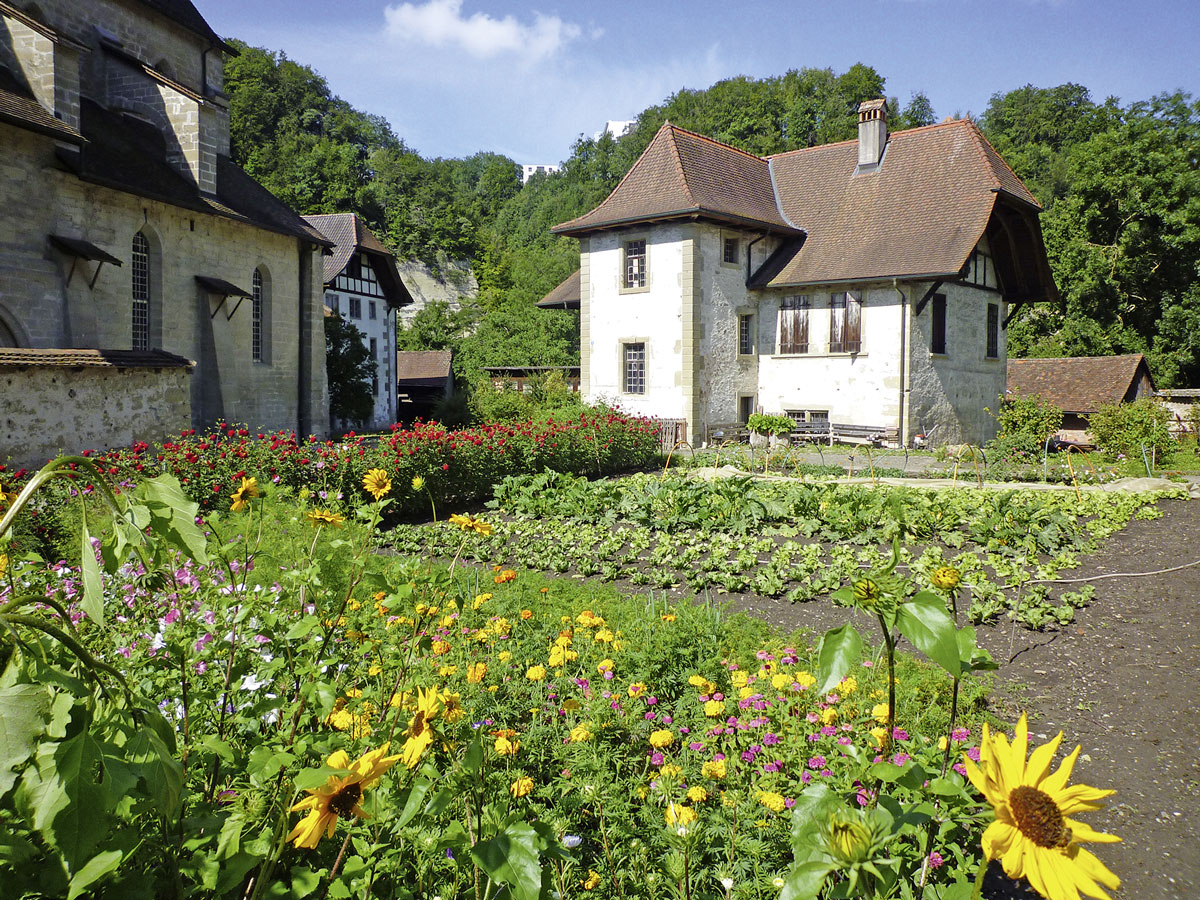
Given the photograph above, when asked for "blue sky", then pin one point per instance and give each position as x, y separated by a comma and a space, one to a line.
525, 78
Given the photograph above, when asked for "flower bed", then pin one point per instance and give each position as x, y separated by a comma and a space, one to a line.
272, 709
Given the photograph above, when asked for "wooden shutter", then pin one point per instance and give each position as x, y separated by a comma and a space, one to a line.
837, 322
852, 335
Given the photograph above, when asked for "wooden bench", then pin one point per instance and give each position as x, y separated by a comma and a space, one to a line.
812, 431
865, 434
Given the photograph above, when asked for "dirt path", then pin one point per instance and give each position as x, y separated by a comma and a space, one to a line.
1124, 682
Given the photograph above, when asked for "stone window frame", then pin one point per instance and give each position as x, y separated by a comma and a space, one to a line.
991, 348
260, 316
741, 407
747, 330
626, 346
727, 240
140, 271
623, 275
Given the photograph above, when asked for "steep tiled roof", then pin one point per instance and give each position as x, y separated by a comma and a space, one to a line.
920, 213
686, 175
350, 234
1079, 384
129, 155
20, 357
416, 366
565, 296
18, 107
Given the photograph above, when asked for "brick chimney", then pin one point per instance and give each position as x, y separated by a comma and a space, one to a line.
872, 133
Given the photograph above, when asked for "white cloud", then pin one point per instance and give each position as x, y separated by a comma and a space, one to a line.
441, 23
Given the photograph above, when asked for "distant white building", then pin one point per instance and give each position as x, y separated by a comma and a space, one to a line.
864, 284
528, 171
362, 284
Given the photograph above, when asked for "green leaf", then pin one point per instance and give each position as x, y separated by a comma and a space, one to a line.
64, 799
473, 758
174, 515
96, 868
304, 881
92, 601
840, 649
302, 628
26, 708
804, 881
971, 656
160, 770
926, 622
307, 779
413, 798
511, 858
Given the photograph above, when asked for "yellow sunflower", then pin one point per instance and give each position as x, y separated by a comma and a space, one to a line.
339, 796
377, 484
1032, 835
243, 495
320, 517
420, 732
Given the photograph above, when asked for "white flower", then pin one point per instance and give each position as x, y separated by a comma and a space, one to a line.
571, 841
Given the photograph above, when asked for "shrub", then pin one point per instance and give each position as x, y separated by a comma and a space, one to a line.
1025, 424
1125, 428
779, 425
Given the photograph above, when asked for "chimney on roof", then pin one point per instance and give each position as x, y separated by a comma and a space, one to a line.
872, 133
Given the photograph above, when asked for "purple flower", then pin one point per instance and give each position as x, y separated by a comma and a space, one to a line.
770, 738
696, 745
900, 734
959, 734
816, 762
935, 860
657, 759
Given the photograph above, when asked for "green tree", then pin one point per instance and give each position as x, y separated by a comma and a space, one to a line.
350, 369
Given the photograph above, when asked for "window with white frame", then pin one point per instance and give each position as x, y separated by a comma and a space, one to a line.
746, 334
633, 260
793, 324
372, 310
331, 300
355, 307
729, 250
845, 322
633, 365
140, 273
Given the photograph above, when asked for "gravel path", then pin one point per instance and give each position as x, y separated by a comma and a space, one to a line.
1123, 681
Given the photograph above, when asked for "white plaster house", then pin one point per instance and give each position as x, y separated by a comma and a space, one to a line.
866, 283
363, 285
141, 269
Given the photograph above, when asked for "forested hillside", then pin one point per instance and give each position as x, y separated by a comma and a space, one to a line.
1119, 184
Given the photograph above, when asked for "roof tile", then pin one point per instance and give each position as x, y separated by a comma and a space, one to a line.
1080, 384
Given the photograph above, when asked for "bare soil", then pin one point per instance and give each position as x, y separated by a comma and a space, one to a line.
1123, 681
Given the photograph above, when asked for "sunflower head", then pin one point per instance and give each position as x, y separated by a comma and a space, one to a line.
946, 577
377, 483
1035, 835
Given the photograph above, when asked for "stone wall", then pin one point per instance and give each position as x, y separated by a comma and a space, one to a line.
47, 410
952, 392
45, 304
